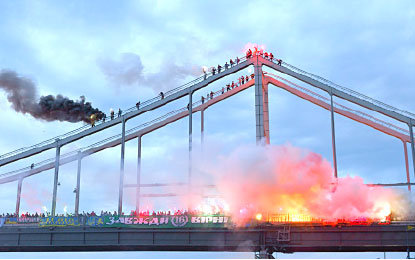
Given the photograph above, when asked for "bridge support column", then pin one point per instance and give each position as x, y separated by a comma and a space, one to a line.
55, 180
408, 179
333, 136
121, 188
78, 184
189, 178
19, 192
266, 113
138, 188
259, 101
202, 127
411, 134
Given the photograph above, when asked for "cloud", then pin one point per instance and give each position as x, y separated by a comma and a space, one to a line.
129, 70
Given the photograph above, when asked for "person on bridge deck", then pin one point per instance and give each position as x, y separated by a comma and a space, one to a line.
219, 68
279, 62
112, 113
226, 65
32, 165
237, 60
93, 117
213, 70
223, 90
232, 85
252, 76
119, 112
239, 81
228, 87
161, 94
207, 96
204, 75
138, 105
271, 56
246, 78
231, 62
243, 79
266, 55
203, 99
248, 53
188, 106
261, 52
211, 94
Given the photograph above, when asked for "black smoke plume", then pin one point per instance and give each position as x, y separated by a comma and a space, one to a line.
22, 94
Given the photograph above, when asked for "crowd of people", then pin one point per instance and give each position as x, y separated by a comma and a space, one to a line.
176, 212
249, 54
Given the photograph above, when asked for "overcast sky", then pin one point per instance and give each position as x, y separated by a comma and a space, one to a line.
118, 53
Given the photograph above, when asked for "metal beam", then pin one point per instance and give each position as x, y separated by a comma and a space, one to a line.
202, 126
137, 198
354, 98
135, 134
302, 238
408, 179
259, 109
189, 179
78, 183
266, 112
411, 135
333, 137
121, 187
19, 192
146, 106
56, 177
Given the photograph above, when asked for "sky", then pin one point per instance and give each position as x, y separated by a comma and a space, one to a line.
116, 53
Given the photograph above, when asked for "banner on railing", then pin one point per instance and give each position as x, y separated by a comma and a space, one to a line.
60, 221
163, 221
22, 220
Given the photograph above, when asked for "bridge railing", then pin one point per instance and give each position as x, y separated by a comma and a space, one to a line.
129, 110
335, 104
350, 91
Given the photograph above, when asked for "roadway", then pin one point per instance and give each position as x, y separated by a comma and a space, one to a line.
287, 239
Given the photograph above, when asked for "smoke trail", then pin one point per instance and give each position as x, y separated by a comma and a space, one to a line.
129, 70
22, 94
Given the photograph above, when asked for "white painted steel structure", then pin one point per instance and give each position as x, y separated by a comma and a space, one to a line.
261, 82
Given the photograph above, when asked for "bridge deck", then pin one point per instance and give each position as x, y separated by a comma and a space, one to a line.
295, 238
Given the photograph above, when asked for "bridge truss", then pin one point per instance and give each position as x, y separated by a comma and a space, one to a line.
261, 82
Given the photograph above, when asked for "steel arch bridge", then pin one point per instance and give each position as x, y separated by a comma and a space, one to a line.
260, 81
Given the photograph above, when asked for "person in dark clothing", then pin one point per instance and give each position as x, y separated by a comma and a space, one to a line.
226, 65
237, 60
112, 113
279, 62
219, 68
203, 99
138, 105
161, 94
119, 112
213, 70
231, 62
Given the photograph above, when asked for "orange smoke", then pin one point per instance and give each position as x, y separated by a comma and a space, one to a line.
289, 180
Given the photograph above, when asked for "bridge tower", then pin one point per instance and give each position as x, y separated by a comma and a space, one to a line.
261, 105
